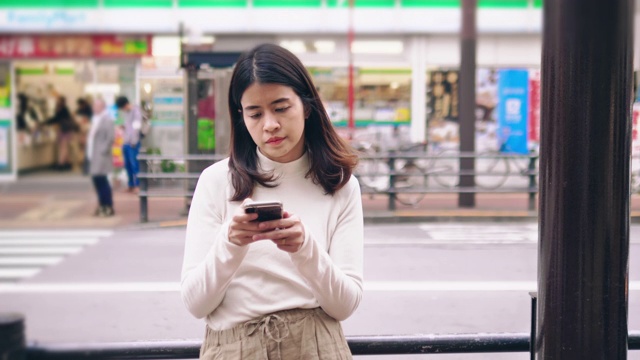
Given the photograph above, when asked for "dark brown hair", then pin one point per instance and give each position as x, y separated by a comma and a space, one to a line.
331, 159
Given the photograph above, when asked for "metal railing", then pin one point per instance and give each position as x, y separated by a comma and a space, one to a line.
430, 168
359, 345
391, 159
148, 173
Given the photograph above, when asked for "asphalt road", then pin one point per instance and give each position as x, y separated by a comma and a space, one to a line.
84, 286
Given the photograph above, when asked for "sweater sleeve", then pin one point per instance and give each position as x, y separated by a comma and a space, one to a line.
335, 277
210, 260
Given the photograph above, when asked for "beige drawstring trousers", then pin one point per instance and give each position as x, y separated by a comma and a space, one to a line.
305, 334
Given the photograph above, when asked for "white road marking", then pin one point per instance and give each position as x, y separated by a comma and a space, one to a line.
54, 234
30, 260
30, 242
25, 253
371, 286
43, 250
18, 273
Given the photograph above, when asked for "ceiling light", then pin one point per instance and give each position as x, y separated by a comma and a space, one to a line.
295, 46
324, 46
377, 47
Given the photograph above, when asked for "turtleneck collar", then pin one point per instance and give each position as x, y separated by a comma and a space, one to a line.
298, 166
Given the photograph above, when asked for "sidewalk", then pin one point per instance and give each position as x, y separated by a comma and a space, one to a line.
67, 200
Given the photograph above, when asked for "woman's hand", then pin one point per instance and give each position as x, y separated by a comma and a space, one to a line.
287, 233
242, 227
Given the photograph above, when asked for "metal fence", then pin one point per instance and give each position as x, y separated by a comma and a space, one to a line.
359, 345
395, 169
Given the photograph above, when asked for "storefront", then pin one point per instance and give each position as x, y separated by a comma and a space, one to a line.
44, 69
399, 45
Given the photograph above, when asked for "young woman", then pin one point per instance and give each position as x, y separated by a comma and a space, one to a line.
276, 289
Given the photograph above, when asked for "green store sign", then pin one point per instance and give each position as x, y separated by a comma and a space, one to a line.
89, 4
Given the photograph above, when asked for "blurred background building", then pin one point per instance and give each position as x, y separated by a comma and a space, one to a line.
406, 56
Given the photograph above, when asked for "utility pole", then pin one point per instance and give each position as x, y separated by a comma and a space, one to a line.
468, 100
583, 254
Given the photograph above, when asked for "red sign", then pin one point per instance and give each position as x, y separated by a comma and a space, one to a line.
534, 107
74, 46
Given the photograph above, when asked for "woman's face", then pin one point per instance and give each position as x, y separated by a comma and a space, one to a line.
275, 117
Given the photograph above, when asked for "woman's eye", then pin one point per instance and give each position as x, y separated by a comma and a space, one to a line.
283, 109
255, 116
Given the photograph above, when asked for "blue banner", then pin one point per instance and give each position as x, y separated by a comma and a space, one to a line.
513, 107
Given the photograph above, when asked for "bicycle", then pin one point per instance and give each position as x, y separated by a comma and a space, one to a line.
494, 167
411, 169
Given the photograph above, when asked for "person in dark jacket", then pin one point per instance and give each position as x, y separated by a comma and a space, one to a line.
67, 128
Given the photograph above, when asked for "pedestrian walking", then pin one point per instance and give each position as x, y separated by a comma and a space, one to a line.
276, 289
131, 142
99, 143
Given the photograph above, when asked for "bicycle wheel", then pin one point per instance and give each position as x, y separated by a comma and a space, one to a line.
445, 168
491, 172
412, 178
373, 174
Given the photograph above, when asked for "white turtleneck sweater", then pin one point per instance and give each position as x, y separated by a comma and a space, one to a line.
230, 284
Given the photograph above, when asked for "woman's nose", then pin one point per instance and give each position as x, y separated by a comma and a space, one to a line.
270, 123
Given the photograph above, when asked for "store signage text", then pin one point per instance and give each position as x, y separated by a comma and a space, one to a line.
99, 46
49, 19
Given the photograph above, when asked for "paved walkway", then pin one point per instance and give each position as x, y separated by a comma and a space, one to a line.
67, 200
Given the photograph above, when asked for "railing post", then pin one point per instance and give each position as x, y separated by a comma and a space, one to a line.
532, 181
13, 344
392, 180
534, 316
144, 187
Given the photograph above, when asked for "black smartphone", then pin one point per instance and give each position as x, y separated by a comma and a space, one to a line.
266, 210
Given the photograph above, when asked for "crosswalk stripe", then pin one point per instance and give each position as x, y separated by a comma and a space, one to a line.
30, 261
18, 273
80, 241
54, 234
44, 250
23, 254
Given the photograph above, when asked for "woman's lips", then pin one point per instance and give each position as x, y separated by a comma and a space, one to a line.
275, 141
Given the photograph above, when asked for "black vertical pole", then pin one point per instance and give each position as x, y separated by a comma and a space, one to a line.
468, 99
584, 184
13, 343
144, 189
191, 129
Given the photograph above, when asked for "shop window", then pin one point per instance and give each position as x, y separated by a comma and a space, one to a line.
162, 99
382, 96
